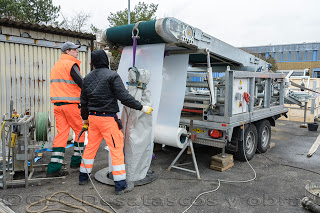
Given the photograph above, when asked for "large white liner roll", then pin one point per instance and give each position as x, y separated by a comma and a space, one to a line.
171, 136
174, 77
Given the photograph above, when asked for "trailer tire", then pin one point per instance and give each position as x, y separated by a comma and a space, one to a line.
264, 135
250, 145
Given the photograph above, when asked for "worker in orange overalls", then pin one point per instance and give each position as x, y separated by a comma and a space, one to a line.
101, 89
65, 89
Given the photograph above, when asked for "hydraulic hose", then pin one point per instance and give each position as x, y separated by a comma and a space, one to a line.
82, 131
41, 126
310, 205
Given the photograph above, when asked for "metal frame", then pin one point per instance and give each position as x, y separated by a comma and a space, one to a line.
187, 144
229, 121
172, 165
24, 124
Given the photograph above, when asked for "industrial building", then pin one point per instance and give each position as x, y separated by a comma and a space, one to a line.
292, 56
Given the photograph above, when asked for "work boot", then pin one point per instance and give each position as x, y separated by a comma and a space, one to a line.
130, 186
60, 173
83, 182
72, 166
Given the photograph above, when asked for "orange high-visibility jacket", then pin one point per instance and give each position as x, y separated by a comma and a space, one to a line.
62, 86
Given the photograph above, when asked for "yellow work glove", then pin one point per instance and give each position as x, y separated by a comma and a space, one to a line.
85, 125
147, 109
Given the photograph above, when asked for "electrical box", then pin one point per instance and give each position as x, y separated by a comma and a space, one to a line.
240, 86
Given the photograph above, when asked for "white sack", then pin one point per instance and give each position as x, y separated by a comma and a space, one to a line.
137, 130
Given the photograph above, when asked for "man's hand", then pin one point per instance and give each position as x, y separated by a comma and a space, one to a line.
147, 109
85, 124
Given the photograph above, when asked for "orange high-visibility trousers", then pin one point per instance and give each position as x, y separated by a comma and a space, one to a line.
66, 116
104, 127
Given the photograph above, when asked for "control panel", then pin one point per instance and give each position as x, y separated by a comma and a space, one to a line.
240, 86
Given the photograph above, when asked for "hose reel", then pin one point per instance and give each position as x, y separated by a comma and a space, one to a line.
43, 126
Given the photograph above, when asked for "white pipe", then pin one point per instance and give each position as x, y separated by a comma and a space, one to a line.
210, 79
289, 74
211, 87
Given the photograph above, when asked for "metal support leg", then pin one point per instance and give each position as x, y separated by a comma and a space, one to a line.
223, 154
194, 160
313, 100
179, 155
304, 125
26, 176
188, 143
305, 112
4, 165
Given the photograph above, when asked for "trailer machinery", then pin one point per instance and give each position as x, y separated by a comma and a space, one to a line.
246, 93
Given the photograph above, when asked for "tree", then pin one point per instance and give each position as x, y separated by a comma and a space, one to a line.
33, 11
271, 60
79, 22
8, 8
141, 12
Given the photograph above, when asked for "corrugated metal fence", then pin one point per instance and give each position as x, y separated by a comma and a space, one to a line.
25, 76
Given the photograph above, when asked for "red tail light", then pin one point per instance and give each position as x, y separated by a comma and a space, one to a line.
215, 133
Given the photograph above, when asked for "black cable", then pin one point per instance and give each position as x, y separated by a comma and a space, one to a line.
296, 167
281, 164
205, 180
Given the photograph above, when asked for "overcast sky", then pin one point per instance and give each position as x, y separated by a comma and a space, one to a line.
237, 22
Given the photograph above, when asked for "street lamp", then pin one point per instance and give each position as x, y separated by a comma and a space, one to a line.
128, 11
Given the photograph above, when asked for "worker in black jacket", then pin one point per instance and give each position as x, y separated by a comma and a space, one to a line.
100, 91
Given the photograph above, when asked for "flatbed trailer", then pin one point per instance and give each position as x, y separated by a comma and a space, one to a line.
218, 108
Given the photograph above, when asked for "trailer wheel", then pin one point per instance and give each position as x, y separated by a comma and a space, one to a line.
249, 147
264, 136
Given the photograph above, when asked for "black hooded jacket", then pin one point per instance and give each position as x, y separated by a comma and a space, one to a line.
102, 88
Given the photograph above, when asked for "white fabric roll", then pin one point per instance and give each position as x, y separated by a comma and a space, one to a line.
171, 136
167, 85
174, 74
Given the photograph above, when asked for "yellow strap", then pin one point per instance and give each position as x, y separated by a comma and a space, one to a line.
2, 128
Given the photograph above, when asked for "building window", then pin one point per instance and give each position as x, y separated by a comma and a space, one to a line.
314, 57
277, 56
318, 55
309, 55
302, 56
293, 56
285, 56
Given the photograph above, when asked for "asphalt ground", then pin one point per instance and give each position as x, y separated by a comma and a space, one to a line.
277, 188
